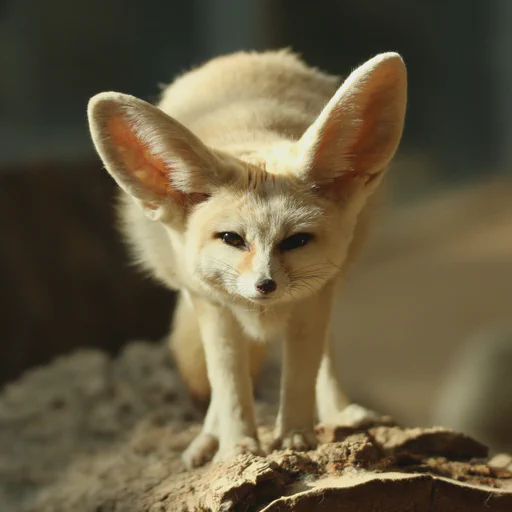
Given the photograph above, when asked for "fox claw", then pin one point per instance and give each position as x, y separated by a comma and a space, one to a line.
200, 451
296, 440
244, 445
355, 415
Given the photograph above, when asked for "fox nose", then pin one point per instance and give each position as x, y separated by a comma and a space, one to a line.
266, 286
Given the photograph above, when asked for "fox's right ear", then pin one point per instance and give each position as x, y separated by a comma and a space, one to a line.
152, 157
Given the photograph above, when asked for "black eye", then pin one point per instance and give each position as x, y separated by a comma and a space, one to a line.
295, 241
232, 239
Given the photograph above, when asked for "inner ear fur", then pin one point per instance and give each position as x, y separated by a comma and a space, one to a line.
152, 157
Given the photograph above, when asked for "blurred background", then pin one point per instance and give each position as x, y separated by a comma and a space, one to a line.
438, 270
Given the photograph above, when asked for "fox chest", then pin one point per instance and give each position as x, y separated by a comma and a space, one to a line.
265, 326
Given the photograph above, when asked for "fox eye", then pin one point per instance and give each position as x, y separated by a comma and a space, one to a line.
233, 239
295, 241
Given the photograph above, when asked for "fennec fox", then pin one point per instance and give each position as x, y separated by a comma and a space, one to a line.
251, 200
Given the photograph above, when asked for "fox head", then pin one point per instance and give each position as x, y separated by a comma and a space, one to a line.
266, 226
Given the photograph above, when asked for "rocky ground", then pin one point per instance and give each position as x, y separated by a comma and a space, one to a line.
93, 433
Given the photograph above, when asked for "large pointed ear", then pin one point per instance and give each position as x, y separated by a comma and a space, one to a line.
358, 132
151, 156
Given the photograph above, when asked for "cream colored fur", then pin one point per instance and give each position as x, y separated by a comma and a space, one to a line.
264, 147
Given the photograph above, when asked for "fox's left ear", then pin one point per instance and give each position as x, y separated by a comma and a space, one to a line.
356, 135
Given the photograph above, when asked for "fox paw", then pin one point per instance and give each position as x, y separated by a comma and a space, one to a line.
299, 440
244, 445
357, 416
200, 451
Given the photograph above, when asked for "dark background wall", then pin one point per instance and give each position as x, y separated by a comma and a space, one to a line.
64, 278
55, 54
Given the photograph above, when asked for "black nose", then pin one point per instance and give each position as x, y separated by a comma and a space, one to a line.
266, 286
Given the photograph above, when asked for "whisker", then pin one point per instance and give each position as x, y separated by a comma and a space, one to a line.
311, 276
313, 269
225, 264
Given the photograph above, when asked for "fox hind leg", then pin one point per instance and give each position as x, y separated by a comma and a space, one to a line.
188, 352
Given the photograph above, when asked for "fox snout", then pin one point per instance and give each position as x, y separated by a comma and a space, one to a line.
266, 286
262, 282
